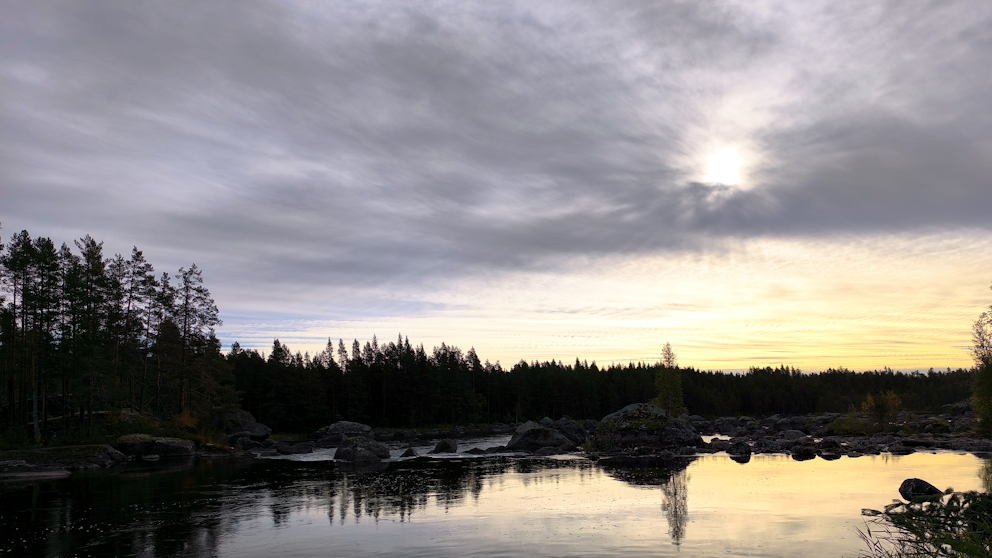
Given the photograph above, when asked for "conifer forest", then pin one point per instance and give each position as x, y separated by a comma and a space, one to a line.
84, 333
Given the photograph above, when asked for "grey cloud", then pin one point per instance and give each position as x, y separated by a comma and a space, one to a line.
361, 143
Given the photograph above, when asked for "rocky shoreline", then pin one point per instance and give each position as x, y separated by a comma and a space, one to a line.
638, 433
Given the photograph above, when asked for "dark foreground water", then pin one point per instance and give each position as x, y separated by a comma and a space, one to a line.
309, 506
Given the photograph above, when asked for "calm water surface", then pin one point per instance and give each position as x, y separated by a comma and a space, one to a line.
495, 506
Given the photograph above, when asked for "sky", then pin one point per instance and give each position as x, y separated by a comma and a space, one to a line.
758, 183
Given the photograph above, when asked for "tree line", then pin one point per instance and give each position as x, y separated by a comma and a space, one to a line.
396, 384
84, 334
81, 333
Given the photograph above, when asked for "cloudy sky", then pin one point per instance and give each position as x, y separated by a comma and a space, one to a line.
759, 183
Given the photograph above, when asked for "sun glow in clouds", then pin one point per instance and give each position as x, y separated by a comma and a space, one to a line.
723, 167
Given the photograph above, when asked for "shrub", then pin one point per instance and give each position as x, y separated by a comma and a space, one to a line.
958, 524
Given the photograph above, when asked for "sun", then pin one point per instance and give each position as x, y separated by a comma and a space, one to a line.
723, 167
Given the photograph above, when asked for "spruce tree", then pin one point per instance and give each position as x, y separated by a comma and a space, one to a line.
982, 351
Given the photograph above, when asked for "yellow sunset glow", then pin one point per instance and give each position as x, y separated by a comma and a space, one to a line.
906, 302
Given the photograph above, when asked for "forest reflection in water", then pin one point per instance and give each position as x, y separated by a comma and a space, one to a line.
461, 507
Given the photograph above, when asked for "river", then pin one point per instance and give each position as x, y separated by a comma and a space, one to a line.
308, 506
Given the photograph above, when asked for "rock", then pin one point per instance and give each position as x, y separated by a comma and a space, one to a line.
643, 424
531, 437
548, 451
174, 447
918, 489
296, 449
590, 426
248, 443
739, 448
210, 450
571, 430
135, 445
741, 458
150, 457
828, 444
242, 421
349, 450
410, 452
139, 445
793, 434
496, 449
234, 438
546, 422
802, 452
476, 451
720, 445
899, 449
334, 435
446, 446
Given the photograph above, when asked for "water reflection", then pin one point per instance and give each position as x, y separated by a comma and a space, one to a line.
503, 506
670, 475
986, 475
676, 505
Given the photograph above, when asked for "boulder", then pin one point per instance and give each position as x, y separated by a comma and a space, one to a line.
174, 447
793, 434
360, 449
899, 449
801, 452
644, 424
248, 443
531, 437
720, 445
446, 446
135, 445
476, 451
548, 451
571, 430
334, 435
139, 445
546, 422
739, 448
210, 450
741, 458
233, 438
410, 452
243, 421
829, 444
918, 489
590, 426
